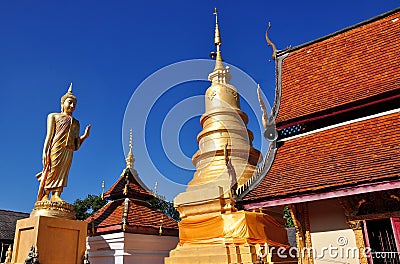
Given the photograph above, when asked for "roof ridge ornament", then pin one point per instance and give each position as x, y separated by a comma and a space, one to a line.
102, 190
130, 159
270, 132
125, 214
270, 43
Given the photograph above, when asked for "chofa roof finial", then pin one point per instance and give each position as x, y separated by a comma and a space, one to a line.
269, 42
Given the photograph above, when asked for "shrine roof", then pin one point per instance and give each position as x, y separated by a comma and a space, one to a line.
339, 70
362, 151
135, 190
141, 218
8, 221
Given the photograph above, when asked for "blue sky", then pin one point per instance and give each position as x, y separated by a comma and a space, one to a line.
108, 50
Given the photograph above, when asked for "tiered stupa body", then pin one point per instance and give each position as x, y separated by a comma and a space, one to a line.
224, 136
223, 123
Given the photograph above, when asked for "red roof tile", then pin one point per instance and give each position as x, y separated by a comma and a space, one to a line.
358, 153
8, 221
135, 190
141, 219
352, 65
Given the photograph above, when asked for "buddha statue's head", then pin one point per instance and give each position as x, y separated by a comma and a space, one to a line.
69, 95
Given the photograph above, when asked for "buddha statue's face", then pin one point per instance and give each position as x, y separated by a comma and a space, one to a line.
69, 105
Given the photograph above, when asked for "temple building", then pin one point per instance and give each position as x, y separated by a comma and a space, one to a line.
336, 161
128, 229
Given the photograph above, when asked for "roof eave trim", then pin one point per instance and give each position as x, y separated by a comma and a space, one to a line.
341, 192
389, 112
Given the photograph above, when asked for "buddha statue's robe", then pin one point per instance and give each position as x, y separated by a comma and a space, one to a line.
64, 142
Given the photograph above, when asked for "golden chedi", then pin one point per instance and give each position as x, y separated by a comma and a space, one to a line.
224, 134
211, 229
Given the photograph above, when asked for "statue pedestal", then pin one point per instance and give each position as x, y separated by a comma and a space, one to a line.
57, 240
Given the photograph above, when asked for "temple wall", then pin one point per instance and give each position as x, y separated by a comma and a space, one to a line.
331, 237
119, 248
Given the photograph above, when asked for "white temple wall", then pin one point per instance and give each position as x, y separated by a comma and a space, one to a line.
120, 248
332, 239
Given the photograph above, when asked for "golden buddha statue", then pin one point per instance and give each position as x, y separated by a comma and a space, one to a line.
62, 139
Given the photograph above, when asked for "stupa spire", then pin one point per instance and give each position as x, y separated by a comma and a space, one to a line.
130, 159
220, 74
217, 41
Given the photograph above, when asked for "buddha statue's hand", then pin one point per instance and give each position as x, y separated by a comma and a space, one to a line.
87, 132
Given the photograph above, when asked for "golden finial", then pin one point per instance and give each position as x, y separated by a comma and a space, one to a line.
130, 159
218, 43
70, 88
269, 42
102, 190
130, 140
217, 37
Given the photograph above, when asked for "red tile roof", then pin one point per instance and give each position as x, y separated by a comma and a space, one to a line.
354, 64
141, 219
358, 153
135, 189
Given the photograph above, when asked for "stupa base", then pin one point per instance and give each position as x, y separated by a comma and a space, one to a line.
236, 237
213, 254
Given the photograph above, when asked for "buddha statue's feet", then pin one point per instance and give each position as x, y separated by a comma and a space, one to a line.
56, 198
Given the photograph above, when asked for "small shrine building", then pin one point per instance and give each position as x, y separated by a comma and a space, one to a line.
127, 229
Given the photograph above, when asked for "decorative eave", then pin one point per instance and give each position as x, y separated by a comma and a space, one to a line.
313, 195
